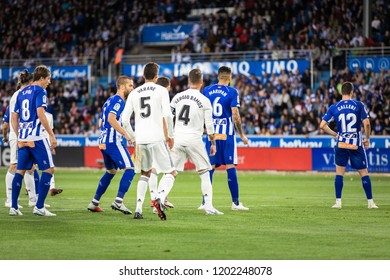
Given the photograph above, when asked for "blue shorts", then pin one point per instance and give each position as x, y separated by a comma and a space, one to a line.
226, 151
358, 157
116, 156
39, 154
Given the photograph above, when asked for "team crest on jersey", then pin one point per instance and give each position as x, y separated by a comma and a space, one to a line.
117, 106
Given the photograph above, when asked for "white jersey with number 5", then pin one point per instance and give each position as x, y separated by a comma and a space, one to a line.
150, 103
193, 111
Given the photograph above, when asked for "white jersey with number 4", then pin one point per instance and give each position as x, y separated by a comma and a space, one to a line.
193, 111
150, 103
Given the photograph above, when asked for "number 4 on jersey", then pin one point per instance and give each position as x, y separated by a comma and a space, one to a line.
184, 114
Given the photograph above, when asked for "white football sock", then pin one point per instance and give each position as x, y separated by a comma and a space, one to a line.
165, 186
30, 186
52, 183
142, 187
207, 189
9, 177
153, 185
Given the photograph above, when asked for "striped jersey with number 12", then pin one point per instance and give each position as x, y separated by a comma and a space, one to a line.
348, 115
222, 99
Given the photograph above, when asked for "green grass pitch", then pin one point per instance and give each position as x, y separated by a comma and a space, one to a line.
290, 218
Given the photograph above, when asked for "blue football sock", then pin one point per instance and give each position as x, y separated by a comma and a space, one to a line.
125, 182
44, 186
103, 185
16, 186
338, 185
36, 180
233, 184
366, 182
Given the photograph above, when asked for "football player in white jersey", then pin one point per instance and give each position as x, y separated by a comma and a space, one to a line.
25, 78
153, 179
150, 104
193, 112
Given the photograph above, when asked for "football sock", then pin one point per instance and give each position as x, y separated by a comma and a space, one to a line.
366, 182
207, 189
233, 184
211, 173
44, 186
16, 186
9, 177
142, 186
125, 182
103, 185
338, 185
165, 186
30, 186
52, 183
153, 185
36, 180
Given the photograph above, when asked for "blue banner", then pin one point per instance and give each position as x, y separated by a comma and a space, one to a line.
165, 34
319, 142
4, 74
375, 64
306, 142
324, 160
238, 67
57, 72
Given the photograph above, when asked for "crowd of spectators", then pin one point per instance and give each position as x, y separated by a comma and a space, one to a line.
270, 105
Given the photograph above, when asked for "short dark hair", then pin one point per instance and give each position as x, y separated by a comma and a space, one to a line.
41, 71
121, 81
151, 70
346, 88
195, 76
163, 81
24, 78
224, 72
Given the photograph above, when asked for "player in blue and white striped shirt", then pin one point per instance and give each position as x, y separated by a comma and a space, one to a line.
114, 152
226, 116
349, 115
27, 119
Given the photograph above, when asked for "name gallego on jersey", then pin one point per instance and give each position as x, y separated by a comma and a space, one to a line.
344, 107
217, 91
189, 97
146, 89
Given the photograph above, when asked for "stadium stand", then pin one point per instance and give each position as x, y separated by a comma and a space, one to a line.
282, 105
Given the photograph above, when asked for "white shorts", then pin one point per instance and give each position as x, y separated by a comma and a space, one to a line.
155, 155
196, 153
13, 145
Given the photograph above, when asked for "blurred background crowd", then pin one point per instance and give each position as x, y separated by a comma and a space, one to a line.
270, 105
